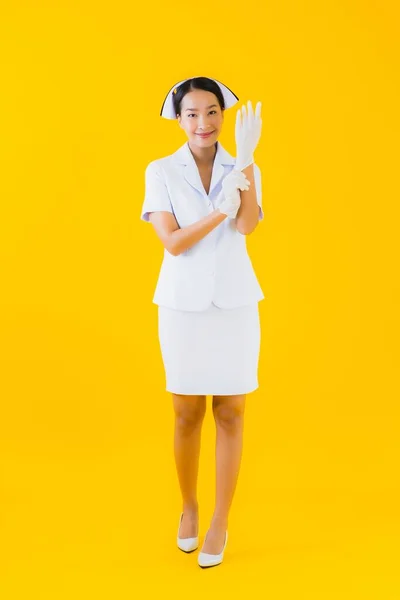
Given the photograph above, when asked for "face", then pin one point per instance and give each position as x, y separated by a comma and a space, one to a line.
201, 113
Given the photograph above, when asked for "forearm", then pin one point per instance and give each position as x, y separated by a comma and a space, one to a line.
185, 238
248, 214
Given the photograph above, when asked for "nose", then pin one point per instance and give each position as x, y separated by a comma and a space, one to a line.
204, 127
203, 124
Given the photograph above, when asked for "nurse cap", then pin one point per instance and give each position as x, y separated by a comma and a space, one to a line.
167, 109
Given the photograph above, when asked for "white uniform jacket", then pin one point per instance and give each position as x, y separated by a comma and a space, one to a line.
217, 269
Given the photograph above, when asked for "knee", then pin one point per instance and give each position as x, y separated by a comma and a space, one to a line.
188, 416
188, 420
229, 416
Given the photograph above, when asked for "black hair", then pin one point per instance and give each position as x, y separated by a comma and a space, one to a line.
196, 83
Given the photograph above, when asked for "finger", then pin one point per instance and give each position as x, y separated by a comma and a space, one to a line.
244, 115
243, 186
258, 111
241, 182
238, 120
250, 113
243, 177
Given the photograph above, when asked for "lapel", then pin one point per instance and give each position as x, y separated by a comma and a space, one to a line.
184, 156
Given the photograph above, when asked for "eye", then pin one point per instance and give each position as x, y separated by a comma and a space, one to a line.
190, 114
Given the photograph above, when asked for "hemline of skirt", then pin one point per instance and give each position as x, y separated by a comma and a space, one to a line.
208, 393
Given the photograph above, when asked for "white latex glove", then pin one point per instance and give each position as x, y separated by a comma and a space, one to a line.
231, 184
247, 134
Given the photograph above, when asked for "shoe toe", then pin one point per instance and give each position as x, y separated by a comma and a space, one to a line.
211, 560
188, 544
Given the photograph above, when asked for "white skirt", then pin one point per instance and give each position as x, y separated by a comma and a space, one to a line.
211, 352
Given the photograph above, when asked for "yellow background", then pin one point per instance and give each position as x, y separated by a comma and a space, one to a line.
89, 494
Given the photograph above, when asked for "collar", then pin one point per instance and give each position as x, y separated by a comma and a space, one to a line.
185, 157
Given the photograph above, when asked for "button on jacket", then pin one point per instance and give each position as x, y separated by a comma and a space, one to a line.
217, 269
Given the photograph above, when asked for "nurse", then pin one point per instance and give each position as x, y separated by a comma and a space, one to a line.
202, 202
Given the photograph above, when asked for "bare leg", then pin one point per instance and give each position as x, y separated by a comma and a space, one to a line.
189, 416
229, 419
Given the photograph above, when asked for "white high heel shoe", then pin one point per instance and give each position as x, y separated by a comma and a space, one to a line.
186, 544
210, 560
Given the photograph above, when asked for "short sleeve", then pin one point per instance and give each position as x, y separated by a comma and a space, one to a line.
156, 193
257, 181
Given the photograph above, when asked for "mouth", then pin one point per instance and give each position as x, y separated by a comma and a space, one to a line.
205, 135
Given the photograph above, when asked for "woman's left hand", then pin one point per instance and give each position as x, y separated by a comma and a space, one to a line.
247, 134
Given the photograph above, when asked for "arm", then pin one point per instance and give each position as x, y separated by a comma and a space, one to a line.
175, 239
248, 213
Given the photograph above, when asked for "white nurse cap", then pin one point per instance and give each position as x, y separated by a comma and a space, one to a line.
167, 109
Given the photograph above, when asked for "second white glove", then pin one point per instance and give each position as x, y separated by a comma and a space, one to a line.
231, 184
247, 134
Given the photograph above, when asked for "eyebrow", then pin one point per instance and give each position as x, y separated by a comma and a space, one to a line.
211, 105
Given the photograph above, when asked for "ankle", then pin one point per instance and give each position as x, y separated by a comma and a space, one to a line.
191, 509
219, 521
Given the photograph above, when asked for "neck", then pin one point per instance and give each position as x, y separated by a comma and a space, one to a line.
203, 156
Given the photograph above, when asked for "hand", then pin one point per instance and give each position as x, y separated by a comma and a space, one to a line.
231, 184
247, 134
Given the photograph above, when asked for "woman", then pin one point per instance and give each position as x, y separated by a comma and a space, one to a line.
202, 203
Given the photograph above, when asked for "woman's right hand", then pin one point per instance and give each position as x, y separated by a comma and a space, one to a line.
231, 184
